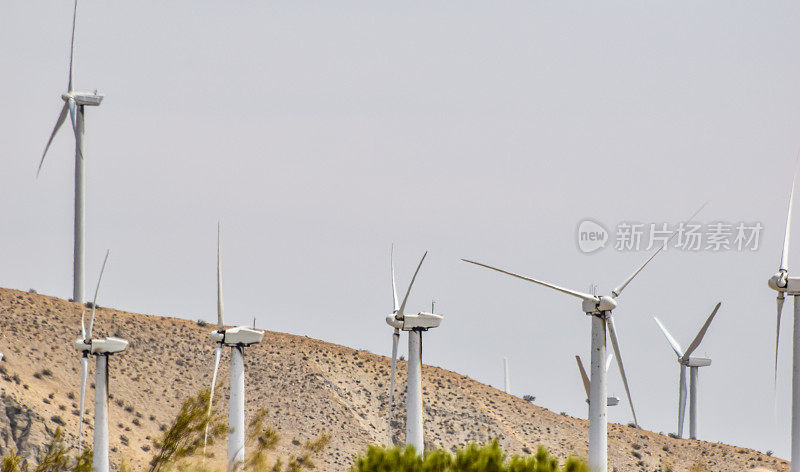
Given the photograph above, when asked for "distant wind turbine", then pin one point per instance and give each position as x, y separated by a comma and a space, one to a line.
102, 349
599, 308
693, 363
74, 105
414, 324
237, 339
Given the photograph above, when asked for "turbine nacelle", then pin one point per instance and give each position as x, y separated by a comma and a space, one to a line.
83, 346
779, 281
599, 305
109, 345
83, 98
238, 336
697, 362
421, 321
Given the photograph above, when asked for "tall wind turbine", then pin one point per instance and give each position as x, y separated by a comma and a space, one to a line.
414, 324
610, 401
237, 339
685, 360
599, 308
74, 105
785, 285
102, 349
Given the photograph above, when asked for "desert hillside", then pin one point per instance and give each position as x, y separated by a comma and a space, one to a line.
308, 386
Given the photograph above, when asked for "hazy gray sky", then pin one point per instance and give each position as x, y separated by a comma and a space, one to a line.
319, 134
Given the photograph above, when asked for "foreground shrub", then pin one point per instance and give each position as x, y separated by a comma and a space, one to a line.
472, 458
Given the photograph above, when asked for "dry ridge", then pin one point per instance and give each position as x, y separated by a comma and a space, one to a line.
309, 387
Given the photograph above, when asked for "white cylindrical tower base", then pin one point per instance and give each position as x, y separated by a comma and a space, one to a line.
395, 340
506, 380
796, 387
100, 458
693, 402
80, 207
414, 395
598, 406
236, 432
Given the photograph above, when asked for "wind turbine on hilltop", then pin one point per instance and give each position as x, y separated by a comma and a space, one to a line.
610, 401
600, 309
785, 285
74, 105
694, 363
237, 339
102, 349
414, 324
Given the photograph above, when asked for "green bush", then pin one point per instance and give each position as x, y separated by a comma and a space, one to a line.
472, 458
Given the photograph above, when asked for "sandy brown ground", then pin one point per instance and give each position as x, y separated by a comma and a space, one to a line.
308, 386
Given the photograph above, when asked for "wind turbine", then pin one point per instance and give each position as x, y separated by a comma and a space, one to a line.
599, 308
237, 339
414, 324
693, 363
74, 105
102, 349
785, 285
506, 379
610, 401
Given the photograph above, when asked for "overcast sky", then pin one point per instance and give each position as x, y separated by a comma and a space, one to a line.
319, 134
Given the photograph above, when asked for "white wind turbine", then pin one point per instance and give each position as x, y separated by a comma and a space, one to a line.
506, 379
102, 349
237, 339
74, 105
600, 309
414, 324
685, 360
610, 401
785, 285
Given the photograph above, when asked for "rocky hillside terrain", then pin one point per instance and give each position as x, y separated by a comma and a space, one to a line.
308, 386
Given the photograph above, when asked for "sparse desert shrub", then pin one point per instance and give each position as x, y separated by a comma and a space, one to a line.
472, 458
769, 452
529, 398
32, 290
55, 459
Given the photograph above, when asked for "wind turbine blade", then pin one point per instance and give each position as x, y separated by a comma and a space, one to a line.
608, 361
72, 45
672, 342
574, 293
60, 121
408, 292
220, 317
395, 340
97, 289
785, 253
617, 291
781, 299
697, 339
81, 402
217, 354
682, 401
584, 377
83, 325
613, 333
394, 285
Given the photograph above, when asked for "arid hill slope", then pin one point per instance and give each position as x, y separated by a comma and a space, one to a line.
308, 386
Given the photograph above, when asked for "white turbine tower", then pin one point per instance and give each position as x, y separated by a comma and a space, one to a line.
785, 285
685, 360
506, 379
102, 349
414, 324
610, 401
599, 308
74, 105
237, 339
